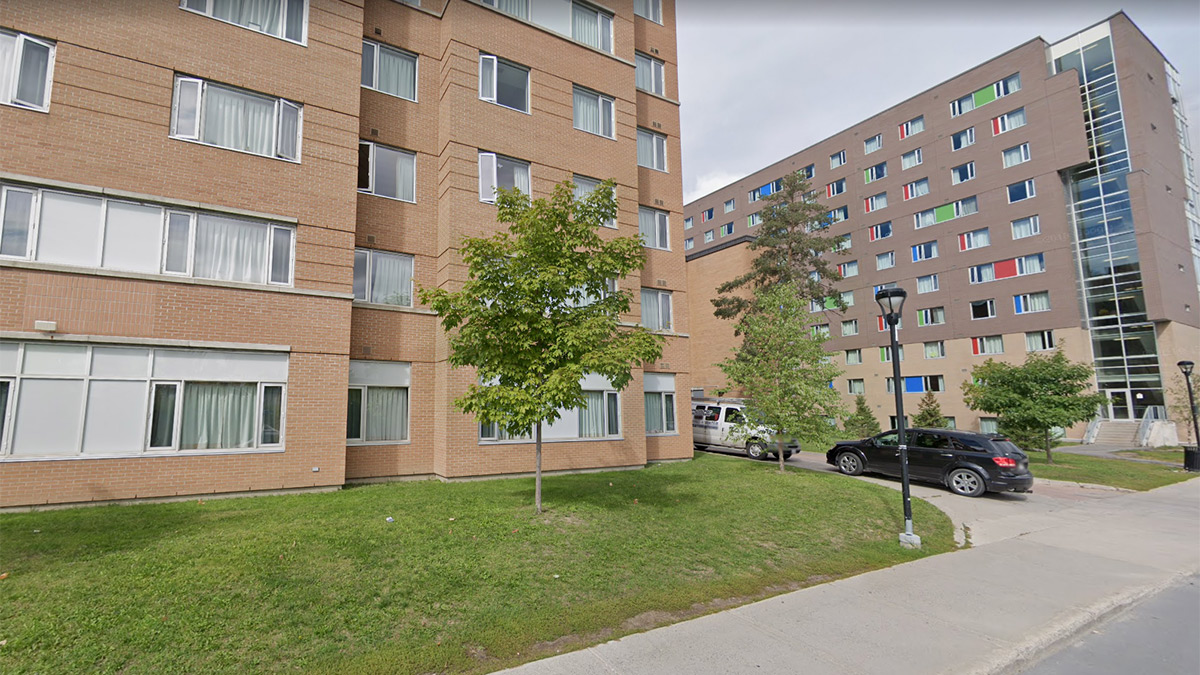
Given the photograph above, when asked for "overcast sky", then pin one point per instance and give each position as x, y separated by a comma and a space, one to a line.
760, 80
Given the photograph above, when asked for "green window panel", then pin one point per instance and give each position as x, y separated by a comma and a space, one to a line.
867, 176
985, 95
830, 303
943, 213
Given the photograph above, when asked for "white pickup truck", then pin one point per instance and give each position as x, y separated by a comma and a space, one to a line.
713, 423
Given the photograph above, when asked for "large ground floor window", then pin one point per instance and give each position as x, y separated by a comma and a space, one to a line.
659, 396
377, 408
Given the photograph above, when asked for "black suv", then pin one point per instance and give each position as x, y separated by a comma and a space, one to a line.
967, 463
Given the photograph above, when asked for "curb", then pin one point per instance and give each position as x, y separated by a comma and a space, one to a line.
1066, 629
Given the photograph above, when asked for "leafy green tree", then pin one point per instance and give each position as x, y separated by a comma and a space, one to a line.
929, 413
791, 244
783, 370
536, 312
861, 423
1030, 399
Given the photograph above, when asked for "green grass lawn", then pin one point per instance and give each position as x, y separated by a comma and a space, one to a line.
1161, 454
1104, 471
467, 579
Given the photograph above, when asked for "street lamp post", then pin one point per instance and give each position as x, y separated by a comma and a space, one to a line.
891, 300
1189, 463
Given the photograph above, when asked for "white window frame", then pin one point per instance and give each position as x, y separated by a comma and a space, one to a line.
663, 397
687, 223
662, 228
670, 309
875, 202
412, 284
1035, 221
1005, 123
726, 230
931, 316
917, 154
491, 62
201, 87
991, 306
378, 48
856, 386
967, 241
911, 189
658, 73
730, 205
370, 189
604, 103
689, 243
981, 345
1044, 337
30, 225
852, 324
1022, 152
888, 256
523, 15
10, 97
906, 129
208, 12
874, 173
956, 177
835, 188
1030, 191
837, 159
362, 420
653, 7
853, 357
935, 281
709, 236
659, 146
1025, 298
876, 140
939, 347
968, 138
851, 265
604, 21
488, 174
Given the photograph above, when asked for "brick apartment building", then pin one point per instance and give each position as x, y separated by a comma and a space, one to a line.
216, 214
1043, 199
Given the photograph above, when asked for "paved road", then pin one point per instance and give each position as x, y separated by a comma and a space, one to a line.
1160, 635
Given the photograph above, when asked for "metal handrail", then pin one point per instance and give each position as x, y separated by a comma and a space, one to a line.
1093, 430
1153, 413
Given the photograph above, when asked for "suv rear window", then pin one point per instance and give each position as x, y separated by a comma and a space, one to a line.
1005, 445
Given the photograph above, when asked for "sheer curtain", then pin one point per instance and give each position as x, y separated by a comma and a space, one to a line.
391, 279
521, 178
395, 174
1033, 264
217, 415
985, 273
517, 8
1038, 302
644, 73
654, 413
234, 250
650, 315
261, 15
585, 25
591, 415
645, 149
587, 111
647, 227
8, 52
397, 74
387, 414
238, 121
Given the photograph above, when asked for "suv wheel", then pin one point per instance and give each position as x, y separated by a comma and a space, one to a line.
850, 464
756, 450
966, 482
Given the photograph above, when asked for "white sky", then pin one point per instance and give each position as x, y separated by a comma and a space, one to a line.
760, 80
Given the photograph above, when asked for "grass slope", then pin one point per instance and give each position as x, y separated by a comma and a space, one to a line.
1104, 471
467, 578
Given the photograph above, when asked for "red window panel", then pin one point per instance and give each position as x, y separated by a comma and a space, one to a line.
1006, 269
882, 325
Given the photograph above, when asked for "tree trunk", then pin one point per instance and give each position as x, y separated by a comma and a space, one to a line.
779, 452
1049, 457
537, 473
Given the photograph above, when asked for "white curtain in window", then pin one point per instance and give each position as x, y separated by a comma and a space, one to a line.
655, 424
238, 121
294, 21
521, 178
261, 15
387, 414
650, 314
395, 174
397, 74
644, 73
517, 8
234, 250
1038, 302
1023, 228
8, 53
585, 25
926, 284
587, 111
933, 350
391, 279
591, 415
217, 415
645, 149
985, 273
1034, 264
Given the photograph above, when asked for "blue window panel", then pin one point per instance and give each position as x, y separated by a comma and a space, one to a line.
765, 190
1017, 305
914, 385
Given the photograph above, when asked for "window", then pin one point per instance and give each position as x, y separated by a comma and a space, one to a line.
26, 70
853, 357
236, 119
917, 188
1021, 191
847, 298
842, 243
880, 287
383, 278
660, 408
726, 229
706, 215
1028, 303
913, 126
885, 260
648, 9
592, 27
934, 316
875, 173
808, 172
83, 400
910, 159
377, 407
1039, 341
918, 384
1008, 122
600, 415
821, 330
689, 244
945, 212
925, 251
980, 274
653, 226
708, 236
1026, 227
885, 354
983, 309
285, 19
649, 74
848, 269
517, 8
881, 324
837, 159
766, 190
585, 186
89, 231
754, 219
839, 214
652, 150
875, 202
389, 70
927, 284
989, 425
656, 309
503, 82
974, 239
498, 171
1016, 155
387, 172
986, 346
687, 223
872, 144
850, 327
729, 205
856, 387
962, 173
837, 187
990, 93
935, 350
594, 113
963, 138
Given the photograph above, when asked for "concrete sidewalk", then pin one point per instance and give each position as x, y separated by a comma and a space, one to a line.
987, 609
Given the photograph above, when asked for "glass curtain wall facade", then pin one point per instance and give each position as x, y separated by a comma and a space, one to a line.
1123, 338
